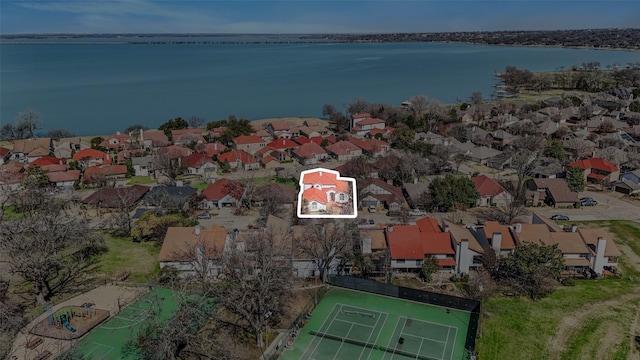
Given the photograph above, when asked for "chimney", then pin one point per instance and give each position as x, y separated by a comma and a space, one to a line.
574, 227
197, 230
389, 228
496, 241
518, 227
600, 260
445, 229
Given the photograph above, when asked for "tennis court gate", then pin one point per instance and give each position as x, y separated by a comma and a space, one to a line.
427, 297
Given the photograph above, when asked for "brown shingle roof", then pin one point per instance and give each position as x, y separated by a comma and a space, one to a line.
180, 243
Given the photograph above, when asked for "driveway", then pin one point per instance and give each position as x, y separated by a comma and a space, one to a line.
611, 206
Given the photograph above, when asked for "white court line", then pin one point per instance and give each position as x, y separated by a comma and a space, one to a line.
446, 343
321, 326
422, 337
99, 345
420, 348
342, 343
369, 338
394, 331
364, 309
455, 336
355, 323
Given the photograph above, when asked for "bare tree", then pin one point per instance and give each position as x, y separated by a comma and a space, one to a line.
126, 200
476, 97
257, 279
195, 121
419, 106
358, 106
325, 242
27, 122
57, 134
440, 158
507, 213
49, 247
166, 163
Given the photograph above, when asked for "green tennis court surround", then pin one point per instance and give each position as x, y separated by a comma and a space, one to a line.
350, 324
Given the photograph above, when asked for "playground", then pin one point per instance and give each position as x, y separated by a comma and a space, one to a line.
70, 322
108, 341
350, 324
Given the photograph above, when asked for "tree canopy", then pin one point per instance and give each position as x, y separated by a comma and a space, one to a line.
531, 269
453, 191
173, 124
575, 179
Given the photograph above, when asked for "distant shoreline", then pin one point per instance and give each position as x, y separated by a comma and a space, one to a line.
594, 39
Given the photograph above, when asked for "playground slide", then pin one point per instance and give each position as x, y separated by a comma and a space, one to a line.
63, 320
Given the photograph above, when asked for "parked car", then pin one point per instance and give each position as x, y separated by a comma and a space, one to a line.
560, 217
371, 222
204, 215
417, 212
372, 208
589, 203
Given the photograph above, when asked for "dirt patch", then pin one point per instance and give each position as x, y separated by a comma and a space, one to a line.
611, 336
634, 330
571, 323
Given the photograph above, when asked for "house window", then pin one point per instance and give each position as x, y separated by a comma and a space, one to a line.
400, 261
314, 206
343, 197
418, 262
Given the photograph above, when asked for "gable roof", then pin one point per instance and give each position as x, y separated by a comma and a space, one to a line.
92, 172
490, 227
91, 154
459, 233
214, 148
558, 189
4, 152
158, 137
237, 155
61, 176
343, 148
486, 186
112, 197
180, 243
410, 242
46, 160
309, 150
248, 139
591, 236
196, 160
280, 125
595, 163
222, 188
283, 143
319, 177
28, 145
394, 193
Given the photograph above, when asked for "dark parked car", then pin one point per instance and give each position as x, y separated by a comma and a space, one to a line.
587, 201
560, 217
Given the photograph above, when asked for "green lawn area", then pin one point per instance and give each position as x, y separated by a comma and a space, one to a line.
10, 213
200, 186
141, 259
520, 328
141, 180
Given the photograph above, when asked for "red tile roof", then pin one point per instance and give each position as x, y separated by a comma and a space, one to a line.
446, 262
595, 163
302, 140
343, 148
283, 143
54, 168
314, 194
409, 242
91, 154
235, 155
46, 160
360, 115
222, 188
486, 186
60, 176
369, 121
214, 149
248, 139
92, 172
3, 152
370, 145
319, 177
428, 224
196, 160
308, 151
280, 125
267, 159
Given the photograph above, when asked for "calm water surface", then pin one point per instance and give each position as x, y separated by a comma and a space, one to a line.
104, 87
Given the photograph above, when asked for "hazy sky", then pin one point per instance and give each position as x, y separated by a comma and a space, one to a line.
309, 16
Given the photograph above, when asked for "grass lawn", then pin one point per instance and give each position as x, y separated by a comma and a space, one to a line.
10, 213
519, 328
141, 180
200, 186
141, 259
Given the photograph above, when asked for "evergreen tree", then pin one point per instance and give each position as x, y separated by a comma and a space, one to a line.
575, 179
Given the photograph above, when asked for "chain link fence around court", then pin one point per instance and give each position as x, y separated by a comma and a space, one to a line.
297, 323
427, 297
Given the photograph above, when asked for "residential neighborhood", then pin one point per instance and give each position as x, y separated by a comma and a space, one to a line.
374, 199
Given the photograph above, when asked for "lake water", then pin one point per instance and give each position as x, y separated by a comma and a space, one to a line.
104, 86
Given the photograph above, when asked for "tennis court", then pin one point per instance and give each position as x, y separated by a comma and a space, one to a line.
109, 340
352, 325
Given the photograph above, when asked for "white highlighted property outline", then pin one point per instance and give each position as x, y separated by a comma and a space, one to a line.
320, 187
